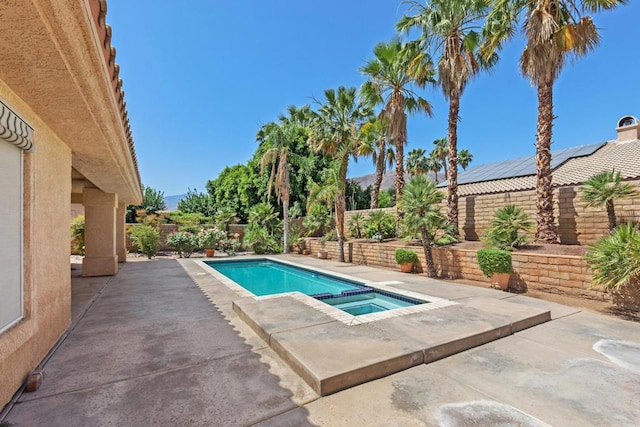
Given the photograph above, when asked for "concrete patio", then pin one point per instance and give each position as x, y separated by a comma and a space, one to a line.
151, 347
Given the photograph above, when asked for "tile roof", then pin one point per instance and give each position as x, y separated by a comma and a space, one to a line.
623, 157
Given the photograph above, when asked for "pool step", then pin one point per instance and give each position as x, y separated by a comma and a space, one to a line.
332, 356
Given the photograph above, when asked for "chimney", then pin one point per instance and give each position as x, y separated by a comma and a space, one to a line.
628, 129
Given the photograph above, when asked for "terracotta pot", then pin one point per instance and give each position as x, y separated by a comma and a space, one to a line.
407, 267
501, 280
306, 252
209, 252
322, 254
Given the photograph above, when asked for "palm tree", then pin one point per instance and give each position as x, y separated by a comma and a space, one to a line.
441, 152
435, 164
451, 31
464, 158
392, 75
335, 131
420, 201
602, 189
374, 144
279, 139
555, 31
417, 162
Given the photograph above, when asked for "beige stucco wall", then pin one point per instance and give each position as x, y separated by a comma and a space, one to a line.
47, 287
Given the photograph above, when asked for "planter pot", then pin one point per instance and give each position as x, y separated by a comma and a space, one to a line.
306, 252
501, 280
406, 267
323, 254
209, 252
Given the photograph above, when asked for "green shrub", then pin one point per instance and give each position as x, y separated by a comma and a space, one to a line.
405, 256
494, 261
231, 246
509, 228
615, 261
260, 240
318, 218
380, 225
77, 234
356, 225
146, 238
211, 238
183, 242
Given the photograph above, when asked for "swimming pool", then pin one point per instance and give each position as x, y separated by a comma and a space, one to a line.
267, 277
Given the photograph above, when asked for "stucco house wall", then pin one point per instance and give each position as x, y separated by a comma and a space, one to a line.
46, 280
61, 94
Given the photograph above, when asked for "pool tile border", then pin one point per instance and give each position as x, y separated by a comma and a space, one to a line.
333, 312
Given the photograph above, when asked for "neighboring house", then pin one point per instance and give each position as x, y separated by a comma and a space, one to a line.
485, 188
64, 138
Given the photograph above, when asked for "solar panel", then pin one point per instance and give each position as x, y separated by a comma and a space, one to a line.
522, 166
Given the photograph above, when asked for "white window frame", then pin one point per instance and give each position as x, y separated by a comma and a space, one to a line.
15, 131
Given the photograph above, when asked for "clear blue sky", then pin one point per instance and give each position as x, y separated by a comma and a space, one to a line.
202, 76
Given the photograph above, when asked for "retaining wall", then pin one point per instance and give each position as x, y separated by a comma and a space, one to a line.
559, 274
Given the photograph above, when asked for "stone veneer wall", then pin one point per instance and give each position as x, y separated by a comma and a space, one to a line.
577, 224
555, 274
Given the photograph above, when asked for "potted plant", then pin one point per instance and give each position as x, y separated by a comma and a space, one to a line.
209, 239
322, 253
406, 259
496, 265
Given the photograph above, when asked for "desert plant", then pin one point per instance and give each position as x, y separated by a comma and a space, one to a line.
356, 225
260, 240
183, 242
77, 234
380, 225
318, 218
615, 261
146, 238
406, 256
602, 189
508, 229
493, 261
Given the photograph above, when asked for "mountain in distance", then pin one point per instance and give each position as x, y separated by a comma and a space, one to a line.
172, 202
388, 179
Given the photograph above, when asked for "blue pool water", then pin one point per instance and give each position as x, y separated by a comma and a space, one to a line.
265, 277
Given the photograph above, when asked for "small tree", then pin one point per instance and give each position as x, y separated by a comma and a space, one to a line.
195, 202
602, 189
152, 202
420, 203
146, 238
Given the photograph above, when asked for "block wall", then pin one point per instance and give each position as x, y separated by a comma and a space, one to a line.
554, 274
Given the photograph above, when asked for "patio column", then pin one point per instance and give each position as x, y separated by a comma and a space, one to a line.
121, 238
100, 257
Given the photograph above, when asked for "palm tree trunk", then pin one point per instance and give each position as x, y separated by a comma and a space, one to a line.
341, 207
380, 166
401, 138
546, 230
611, 214
285, 224
452, 186
428, 256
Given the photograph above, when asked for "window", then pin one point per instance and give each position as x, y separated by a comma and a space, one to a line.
15, 138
